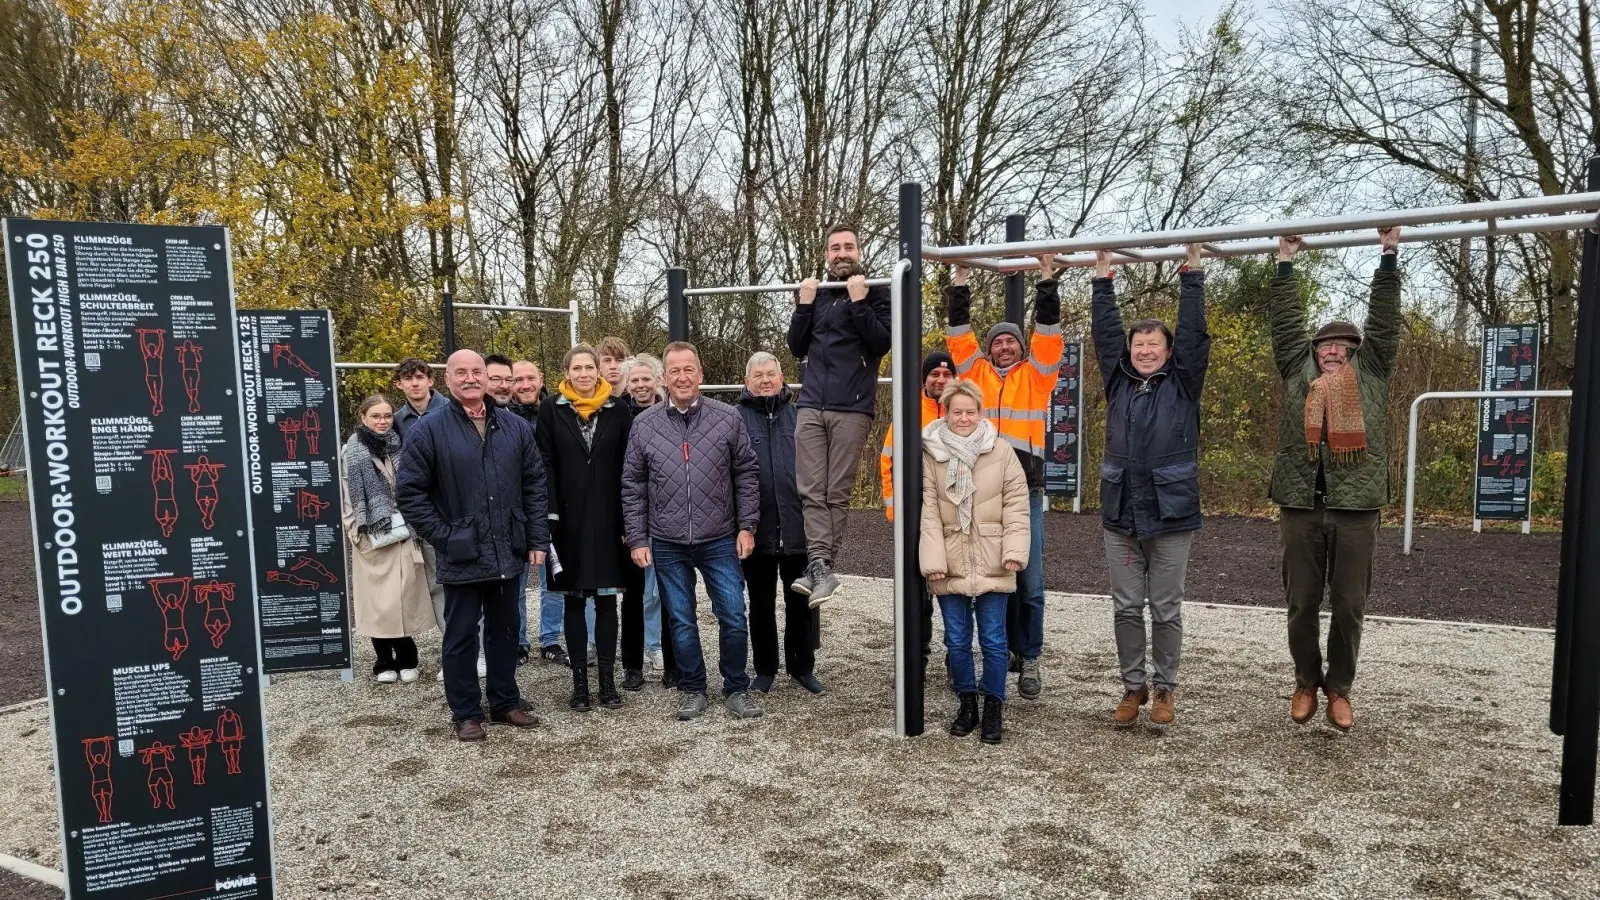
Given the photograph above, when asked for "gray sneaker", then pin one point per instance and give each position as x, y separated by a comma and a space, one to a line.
690, 706
824, 585
802, 585
742, 705
1029, 683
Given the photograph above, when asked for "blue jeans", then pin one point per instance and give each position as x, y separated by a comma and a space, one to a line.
958, 612
652, 610
552, 612
718, 561
1030, 585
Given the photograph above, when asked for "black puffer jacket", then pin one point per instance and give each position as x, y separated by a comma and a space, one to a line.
770, 423
480, 501
1150, 479
843, 344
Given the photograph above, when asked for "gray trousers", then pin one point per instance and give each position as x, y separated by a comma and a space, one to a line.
1148, 570
827, 454
430, 568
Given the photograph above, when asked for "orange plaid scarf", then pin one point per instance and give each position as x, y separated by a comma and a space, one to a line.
1334, 400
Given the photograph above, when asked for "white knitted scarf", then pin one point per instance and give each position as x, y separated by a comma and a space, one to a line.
960, 455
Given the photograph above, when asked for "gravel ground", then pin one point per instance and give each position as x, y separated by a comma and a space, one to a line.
1445, 789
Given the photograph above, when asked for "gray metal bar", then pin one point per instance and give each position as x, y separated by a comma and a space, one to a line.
1431, 215
377, 365
1531, 225
771, 288
1411, 438
508, 307
793, 385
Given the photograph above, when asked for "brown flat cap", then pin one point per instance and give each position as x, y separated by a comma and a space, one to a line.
1337, 331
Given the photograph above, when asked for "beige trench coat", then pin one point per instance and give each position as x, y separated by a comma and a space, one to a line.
388, 588
974, 563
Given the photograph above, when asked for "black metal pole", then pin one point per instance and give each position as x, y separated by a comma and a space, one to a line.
908, 437
1016, 230
1581, 732
1583, 372
449, 307
677, 305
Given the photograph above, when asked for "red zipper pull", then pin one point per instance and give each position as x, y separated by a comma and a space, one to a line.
685, 451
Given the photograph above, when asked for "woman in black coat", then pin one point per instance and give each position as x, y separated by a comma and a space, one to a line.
583, 437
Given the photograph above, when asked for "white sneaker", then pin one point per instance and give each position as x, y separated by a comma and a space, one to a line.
388, 676
483, 667
409, 675
654, 661
441, 673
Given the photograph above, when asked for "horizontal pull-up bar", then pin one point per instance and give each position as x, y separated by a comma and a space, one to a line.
1530, 225
507, 307
1432, 215
795, 386
771, 288
377, 365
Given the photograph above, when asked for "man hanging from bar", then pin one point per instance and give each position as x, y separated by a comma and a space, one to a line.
1150, 479
842, 334
1017, 380
1332, 477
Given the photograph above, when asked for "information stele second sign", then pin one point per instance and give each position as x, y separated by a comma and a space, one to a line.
127, 369
291, 426
1503, 488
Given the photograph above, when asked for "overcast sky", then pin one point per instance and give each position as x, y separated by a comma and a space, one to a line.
1163, 15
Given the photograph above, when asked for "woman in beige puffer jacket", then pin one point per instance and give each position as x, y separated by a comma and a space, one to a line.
974, 541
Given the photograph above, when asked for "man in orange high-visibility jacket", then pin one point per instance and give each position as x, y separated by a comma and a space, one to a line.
938, 370
1017, 382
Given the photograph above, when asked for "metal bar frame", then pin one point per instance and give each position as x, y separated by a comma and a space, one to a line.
1430, 215
906, 365
771, 288
1411, 437
377, 365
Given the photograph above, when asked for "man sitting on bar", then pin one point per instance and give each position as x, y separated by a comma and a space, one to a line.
1332, 474
1017, 381
842, 334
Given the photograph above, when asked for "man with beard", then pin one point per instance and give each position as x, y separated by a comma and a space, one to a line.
527, 392
842, 333
499, 386
1017, 381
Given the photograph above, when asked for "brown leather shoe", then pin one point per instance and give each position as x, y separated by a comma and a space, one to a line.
1163, 708
471, 730
517, 717
1339, 713
1128, 710
1303, 705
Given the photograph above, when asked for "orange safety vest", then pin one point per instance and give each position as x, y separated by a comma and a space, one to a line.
930, 410
1018, 403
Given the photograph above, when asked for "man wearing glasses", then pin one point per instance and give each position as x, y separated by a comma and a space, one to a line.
498, 368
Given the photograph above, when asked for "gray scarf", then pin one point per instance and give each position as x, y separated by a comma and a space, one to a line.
370, 488
960, 456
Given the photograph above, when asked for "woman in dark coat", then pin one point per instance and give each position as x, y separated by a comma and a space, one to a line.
583, 436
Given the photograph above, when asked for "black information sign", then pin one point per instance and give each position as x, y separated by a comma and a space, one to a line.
291, 425
125, 358
1505, 427
1063, 450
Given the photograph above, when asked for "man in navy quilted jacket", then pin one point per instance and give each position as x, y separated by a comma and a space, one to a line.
691, 499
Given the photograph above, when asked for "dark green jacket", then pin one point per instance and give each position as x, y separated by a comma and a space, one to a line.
1360, 485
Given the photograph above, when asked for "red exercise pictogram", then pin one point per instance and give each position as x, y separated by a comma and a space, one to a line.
98, 753
230, 734
203, 472
152, 344
195, 740
166, 507
156, 756
216, 595
283, 354
172, 596
189, 363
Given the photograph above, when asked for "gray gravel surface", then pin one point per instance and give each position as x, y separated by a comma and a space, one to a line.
1445, 789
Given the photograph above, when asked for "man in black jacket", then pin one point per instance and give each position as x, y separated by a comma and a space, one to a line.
842, 334
780, 554
471, 483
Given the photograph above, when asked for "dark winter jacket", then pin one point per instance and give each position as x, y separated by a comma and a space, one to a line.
405, 416
585, 494
1357, 486
842, 344
770, 423
633, 407
1150, 479
690, 477
480, 501
527, 412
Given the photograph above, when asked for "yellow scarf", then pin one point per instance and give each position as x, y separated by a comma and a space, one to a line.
587, 405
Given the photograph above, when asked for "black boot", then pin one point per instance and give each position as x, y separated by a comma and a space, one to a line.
991, 719
966, 717
579, 700
609, 698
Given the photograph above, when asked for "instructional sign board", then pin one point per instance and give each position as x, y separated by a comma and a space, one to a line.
291, 423
1505, 427
1063, 435
126, 366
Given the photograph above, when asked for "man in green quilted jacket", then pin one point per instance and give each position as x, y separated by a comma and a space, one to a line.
1331, 476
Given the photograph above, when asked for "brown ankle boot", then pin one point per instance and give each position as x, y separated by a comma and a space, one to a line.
1128, 710
1339, 713
1163, 708
1303, 705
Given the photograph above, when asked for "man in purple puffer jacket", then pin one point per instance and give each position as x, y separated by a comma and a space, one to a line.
691, 499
